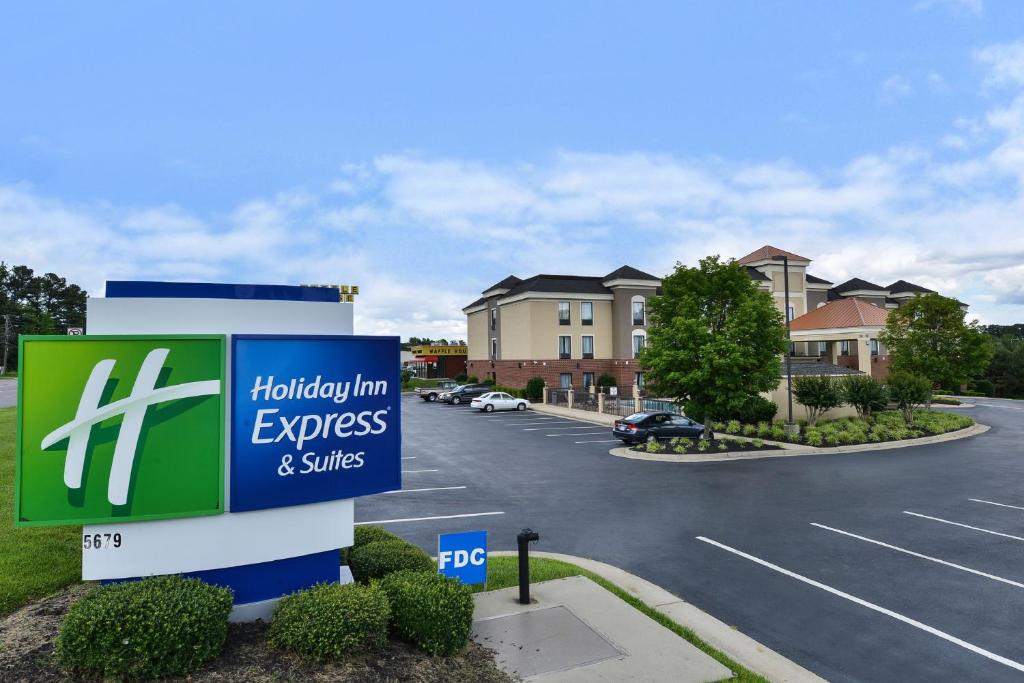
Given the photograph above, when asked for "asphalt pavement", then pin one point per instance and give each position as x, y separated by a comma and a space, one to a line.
902, 564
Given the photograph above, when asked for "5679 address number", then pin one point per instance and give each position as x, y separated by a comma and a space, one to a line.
101, 541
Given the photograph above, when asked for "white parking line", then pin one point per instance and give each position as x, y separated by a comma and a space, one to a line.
599, 441
436, 488
923, 557
416, 471
427, 519
864, 603
578, 434
1002, 505
532, 422
409, 457
535, 429
966, 526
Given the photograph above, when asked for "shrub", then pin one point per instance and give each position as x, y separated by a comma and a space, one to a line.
864, 393
406, 375
717, 426
756, 409
778, 433
813, 437
534, 389
162, 626
432, 611
653, 447
758, 443
909, 392
733, 427
364, 535
764, 429
984, 386
331, 620
679, 448
606, 379
377, 560
749, 430
490, 381
818, 394
702, 445
472, 379
461, 378
832, 439
723, 445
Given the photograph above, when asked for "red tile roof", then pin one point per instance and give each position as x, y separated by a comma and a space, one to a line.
768, 251
842, 313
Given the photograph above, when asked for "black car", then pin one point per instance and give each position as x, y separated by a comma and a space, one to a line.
465, 393
651, 426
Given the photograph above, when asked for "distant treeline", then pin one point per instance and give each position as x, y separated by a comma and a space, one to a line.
1005, 375
36, 304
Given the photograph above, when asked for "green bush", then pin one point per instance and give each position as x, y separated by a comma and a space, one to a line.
758, 443
461, 378
163, 626
749, 430
813, 437
764, 429
653, 446
909, 392
723, 445
864, 393
331, 620
377, 560
702, 445
606, 379
733, 427
534, 389
472, 379
984, 386
818, 394
756, 409
364, 535
432, 611
778, 432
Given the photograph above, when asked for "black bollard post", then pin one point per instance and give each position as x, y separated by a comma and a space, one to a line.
523, 541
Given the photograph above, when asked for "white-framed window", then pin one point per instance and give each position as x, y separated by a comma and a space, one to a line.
587, 312
874, 347
563, 313
639, 341
844, 347
822, 348
564, 346
588, 346
639, 310
494, 318
494, 348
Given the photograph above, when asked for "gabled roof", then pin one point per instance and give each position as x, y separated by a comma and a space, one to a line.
627, 273
817, 280
508, 283
854, 284
573, 284
841, 313
904, 286
756, 274
767, 252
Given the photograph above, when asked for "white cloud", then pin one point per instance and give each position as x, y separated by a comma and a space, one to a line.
1005, 63
896, 87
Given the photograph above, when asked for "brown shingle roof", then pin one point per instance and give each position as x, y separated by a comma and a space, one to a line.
841, 313
768, 251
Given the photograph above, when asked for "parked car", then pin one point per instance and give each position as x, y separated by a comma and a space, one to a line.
433, 393
651, 426
499, 400
464, 393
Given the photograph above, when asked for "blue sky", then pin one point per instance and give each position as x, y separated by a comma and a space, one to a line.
427, 150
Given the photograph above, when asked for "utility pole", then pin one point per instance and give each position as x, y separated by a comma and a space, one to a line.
7, 336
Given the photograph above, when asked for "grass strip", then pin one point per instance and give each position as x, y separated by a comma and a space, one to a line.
503, 572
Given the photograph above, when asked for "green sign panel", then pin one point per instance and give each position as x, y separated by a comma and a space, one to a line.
119, 428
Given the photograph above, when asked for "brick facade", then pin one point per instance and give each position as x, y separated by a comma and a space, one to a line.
516, 374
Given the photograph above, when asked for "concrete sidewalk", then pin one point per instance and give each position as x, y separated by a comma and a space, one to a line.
576, 414
575, 630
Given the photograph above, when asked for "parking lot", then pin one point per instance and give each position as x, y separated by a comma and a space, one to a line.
903, 564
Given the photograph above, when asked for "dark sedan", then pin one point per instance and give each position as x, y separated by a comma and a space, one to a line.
652, 426
465, 393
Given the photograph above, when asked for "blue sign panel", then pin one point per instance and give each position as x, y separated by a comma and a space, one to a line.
313, 419
463, 556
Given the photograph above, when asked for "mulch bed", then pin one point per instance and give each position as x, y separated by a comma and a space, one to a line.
712, 449
27, 637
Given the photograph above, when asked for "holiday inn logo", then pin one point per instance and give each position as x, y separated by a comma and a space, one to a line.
119, 428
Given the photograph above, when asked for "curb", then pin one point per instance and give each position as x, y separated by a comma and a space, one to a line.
603, 419
719, 635
788, 450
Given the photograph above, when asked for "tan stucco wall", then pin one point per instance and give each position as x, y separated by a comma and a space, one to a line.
478, 338
530, 329
799, 411
515, 326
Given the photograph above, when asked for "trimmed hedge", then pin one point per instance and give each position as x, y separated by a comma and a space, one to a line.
380, 558
364, 535
331, 620
162, 626
432, 611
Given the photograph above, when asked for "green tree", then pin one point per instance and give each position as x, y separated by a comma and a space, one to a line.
910, 392
818, 394
1006, 370
928, 336
713, 341
864, 393
606, 379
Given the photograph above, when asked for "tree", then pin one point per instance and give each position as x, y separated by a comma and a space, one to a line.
534, 389
818, 394
606, 379
928, 336
1006, 370
713, 340
864, 393
910, 392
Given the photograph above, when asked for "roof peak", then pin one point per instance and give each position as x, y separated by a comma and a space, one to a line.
767, 252
840, 313
628, 273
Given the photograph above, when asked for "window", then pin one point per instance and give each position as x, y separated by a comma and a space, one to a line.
565, 380
844, 348
638, 378
563, 312
790, 313
822, 348
792, 348
874, 347
639, 311
494, 348
588, 380
494, 318
564, 346
588, 346
638, 345
587, 312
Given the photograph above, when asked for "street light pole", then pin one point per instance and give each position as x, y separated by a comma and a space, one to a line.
789, 344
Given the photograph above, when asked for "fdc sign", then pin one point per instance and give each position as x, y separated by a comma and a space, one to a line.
463, 556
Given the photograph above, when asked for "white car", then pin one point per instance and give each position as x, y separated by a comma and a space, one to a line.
499, 400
